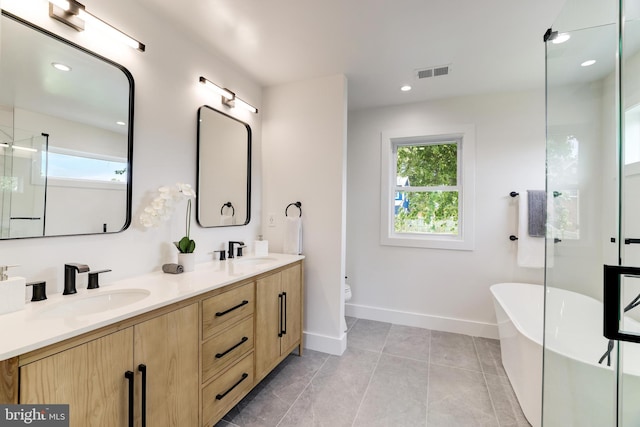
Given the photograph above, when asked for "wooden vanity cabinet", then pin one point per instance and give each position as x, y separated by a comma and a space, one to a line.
189, 362
227, 350
90, 377
168, 347
278, 318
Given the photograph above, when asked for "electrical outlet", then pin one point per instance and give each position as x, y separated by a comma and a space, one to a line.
271, 220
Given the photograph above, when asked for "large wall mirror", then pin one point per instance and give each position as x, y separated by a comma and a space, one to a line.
65, 136
224, 169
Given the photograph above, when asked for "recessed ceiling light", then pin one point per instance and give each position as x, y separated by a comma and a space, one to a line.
121, 123
588, 63
61, 67
405, 88
561, 38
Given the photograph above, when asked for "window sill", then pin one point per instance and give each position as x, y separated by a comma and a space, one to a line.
430, 242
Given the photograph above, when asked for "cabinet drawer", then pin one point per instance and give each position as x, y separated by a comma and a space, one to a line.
223, 349
219, 311
223, 393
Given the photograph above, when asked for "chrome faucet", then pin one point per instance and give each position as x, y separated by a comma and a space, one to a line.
70, 277
231, 254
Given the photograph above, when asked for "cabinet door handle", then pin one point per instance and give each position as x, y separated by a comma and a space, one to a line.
224, 353
129, 376
143, 368
221, 396
280, 315
284, 304
222, 313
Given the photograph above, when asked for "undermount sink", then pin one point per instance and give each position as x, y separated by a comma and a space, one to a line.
254, 260
84, 305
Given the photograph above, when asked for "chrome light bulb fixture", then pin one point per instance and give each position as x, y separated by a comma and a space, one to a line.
73, 14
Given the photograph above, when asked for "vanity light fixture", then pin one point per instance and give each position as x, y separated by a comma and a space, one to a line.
228, 98
73, 14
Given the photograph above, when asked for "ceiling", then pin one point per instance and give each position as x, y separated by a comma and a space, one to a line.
490, 45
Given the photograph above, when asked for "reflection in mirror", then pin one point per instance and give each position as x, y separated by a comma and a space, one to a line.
224, 169
65, 136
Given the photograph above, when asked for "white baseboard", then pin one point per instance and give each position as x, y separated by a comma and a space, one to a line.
324, 343
437, 323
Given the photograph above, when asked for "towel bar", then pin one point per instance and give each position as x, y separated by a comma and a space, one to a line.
297, 205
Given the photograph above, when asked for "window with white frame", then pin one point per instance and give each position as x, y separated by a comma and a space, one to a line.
427, 188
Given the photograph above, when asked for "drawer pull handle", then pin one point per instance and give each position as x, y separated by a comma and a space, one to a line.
222, 313
129, 376
143, 368
242, 341
221, 396
284, 305
280, 315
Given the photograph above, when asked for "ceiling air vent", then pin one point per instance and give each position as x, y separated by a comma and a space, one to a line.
423, 74
441, 70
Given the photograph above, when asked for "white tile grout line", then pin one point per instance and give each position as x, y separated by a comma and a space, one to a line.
366, 390
486, 384
303, 390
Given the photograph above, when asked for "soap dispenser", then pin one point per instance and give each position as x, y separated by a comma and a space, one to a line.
12, 291
260, 247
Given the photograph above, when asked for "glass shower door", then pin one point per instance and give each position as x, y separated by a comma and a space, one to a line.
622, 279
592, 332
579, 384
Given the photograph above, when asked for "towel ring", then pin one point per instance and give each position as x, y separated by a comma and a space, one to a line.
297, 205
228, 205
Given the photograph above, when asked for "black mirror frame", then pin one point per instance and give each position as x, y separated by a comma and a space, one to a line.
249, 156
129, 77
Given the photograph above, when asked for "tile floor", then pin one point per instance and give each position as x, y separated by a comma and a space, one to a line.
390, 375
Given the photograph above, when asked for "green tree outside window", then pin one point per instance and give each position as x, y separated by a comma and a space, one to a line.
427, 194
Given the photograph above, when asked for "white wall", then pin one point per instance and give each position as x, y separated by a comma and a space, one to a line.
304, 159
167, 96
444, 289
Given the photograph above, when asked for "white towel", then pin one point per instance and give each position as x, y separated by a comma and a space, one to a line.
530, 249
292, 235
227, 220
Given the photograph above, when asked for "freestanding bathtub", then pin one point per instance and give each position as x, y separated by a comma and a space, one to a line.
577, 391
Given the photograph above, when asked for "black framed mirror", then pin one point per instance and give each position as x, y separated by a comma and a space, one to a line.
66, 136
224, 170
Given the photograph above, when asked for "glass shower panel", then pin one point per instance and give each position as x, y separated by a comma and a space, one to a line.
629, 177
581, 189
23, 180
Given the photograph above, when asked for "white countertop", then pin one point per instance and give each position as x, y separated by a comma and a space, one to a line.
47, 322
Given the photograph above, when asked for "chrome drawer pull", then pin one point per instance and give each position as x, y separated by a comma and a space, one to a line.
222, 313
242, 341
